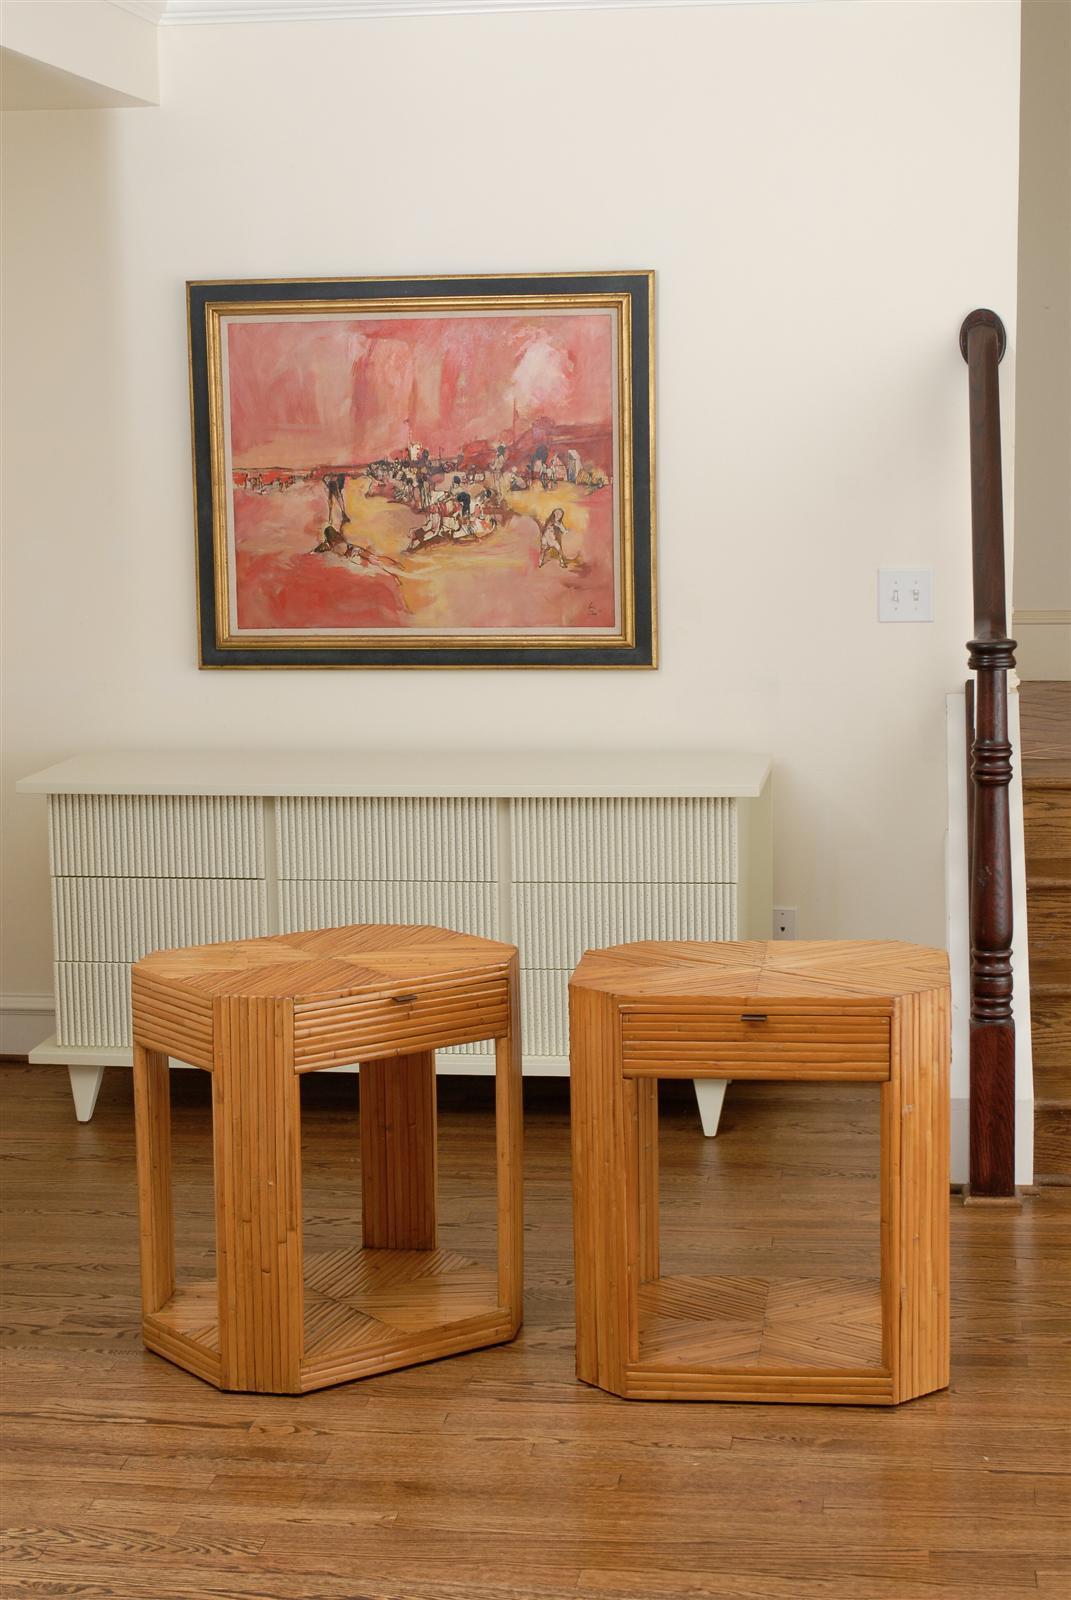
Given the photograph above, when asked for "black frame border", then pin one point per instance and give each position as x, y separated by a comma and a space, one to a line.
642, 653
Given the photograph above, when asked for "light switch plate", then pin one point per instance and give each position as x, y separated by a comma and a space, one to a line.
905, 594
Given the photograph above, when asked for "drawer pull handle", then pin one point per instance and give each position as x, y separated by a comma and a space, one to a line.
754, 1016
403, 999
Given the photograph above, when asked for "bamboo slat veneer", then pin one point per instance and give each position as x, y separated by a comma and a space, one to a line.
818, 1012
257, 1014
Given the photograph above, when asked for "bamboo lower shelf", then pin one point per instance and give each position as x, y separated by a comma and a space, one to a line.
366, 1311
735, 1338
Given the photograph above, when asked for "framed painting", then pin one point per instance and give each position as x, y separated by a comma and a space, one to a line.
425, 472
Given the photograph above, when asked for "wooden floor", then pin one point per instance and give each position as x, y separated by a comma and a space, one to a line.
495, 1474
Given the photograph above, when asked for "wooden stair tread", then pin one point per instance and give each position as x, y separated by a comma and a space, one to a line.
1045, 724
1041, 775
1049, 872
1050, 975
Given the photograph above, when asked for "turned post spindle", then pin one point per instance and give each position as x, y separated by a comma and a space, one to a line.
991, 656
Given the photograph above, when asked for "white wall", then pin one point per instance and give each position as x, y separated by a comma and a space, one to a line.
824, 191
75, 53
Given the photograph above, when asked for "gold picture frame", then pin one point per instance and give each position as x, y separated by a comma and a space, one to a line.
536, 541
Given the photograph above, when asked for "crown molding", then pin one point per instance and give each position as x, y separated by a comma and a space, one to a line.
230, 11
148, 10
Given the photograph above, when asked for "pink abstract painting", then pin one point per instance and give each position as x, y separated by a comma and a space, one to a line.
449, 474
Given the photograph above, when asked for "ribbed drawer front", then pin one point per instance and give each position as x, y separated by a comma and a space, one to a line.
438, 840
624, 841
554, 923
430, 1014
122, 919
92, 1003
155, 836
465, 907
760, 1041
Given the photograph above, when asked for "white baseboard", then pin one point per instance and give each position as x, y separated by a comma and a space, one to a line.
25, 1019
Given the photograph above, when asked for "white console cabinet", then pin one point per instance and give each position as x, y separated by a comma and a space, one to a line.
556, 852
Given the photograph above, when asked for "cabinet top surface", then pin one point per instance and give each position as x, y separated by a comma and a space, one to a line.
812, 971
326, 964
383, 773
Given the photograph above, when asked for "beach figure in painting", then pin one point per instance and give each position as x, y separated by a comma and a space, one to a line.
443, 521
462, 496
335, 543
498, 468
337, 515
483, 521
550, 538
423, 477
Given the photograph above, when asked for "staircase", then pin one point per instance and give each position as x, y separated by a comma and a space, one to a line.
1045, 716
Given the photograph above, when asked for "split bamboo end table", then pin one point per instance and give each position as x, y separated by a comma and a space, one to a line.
257, 1014
800, 1010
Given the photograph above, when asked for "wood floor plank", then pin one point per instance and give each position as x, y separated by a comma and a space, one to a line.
495, 1475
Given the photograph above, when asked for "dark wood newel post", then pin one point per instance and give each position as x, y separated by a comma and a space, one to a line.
991, 656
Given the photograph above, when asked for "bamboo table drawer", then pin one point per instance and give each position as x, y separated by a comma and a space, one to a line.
671, 1042
824, 1013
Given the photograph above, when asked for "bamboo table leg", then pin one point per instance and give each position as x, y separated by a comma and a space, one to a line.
509, 1119
605, 1208
647, 1147
256, 1124
156, 1224
398, 1153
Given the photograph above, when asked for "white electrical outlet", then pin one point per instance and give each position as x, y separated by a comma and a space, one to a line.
905, 594
784, 922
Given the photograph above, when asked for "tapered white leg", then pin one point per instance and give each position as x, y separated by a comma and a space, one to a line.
710, 1092
85, 1086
